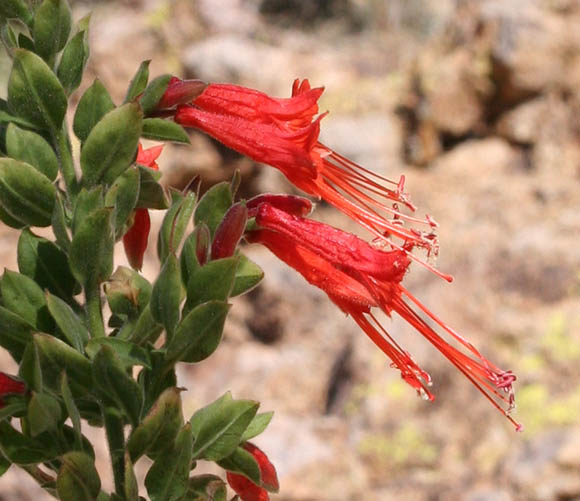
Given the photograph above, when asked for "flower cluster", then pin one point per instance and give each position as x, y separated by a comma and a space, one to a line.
356, 275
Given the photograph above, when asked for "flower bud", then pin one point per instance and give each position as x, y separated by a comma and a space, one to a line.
180, 92
229, 231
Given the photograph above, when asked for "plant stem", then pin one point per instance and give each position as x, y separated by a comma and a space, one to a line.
94, 310
116, 440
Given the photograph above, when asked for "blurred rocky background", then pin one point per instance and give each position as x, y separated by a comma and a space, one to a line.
477, 103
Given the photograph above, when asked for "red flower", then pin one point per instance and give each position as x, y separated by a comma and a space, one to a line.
284, 133
10, 386
357, 277
135, 240
248, 490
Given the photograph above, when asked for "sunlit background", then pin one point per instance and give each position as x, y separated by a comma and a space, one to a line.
478, 104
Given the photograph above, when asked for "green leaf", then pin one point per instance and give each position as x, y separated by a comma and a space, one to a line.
73, 61
146, 330
22, 296
71, 409
46, 264
8, 36
68, 322
33, 149
78, 479
257, 426
43, 413
248, 275
26, 194
151, 193
159, 129
15, 9
157, 431
205, 488
166, 295
128, 353
218, 428
139, 82
34, 92
243, 463
167, 478
22, 450
87, 201
154, 92
11, 409
123, 195
52, 23
199, 333
30, 370
55, 355
59, 225
91, 254
174, 224
15, 333
93, 105
110, 377
212, 281
213, 206
111, 146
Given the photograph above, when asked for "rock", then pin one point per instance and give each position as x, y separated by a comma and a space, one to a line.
523, 123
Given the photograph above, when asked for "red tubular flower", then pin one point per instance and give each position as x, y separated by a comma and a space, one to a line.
10, 386
248, 490
284, 133
135, 240
357, 277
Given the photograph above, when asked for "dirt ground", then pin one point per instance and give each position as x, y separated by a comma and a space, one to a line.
477, 103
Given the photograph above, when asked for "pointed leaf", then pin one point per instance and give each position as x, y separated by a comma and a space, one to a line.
123, 196
59, 226
248, 275
43, 413
243, 463
130, 484
111, 146
26, 194
33, 149
158, 129
46, 264
15, 333
167, 478
199, 333
68, 322
129, 354
166, 295
22, 296
212, 281
151, 193
34, 92
78, 479
71, 409
218, 428
174, 224
158, 429
139, 82
213, 206
52, 23
110, 377
94, 105
257, 426
154, 92
73, 61
91, 254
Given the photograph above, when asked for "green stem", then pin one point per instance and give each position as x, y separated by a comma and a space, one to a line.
116, 440
94, 310
66, 161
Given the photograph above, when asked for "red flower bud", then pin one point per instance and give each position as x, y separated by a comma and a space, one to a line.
10, 386
248, 490
135, 240
229, 231
180, 92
